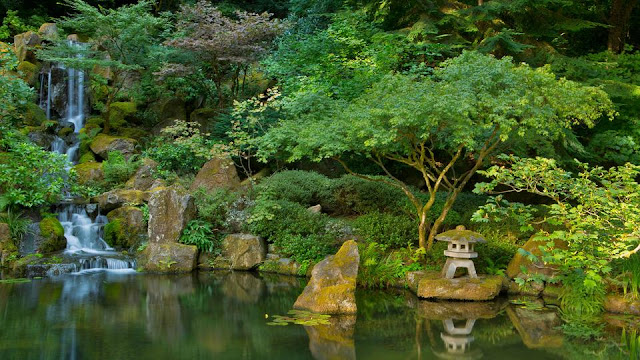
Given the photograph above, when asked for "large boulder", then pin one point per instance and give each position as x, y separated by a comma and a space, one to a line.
103, 144
170, 210
29, 72
48, 31
120, 111
622, 304
89, 172
24, 44
520, 262
216, 173
431, 285
117, 198
125, 228
242, 251
143, 178
170, 258
52, 235
331, 289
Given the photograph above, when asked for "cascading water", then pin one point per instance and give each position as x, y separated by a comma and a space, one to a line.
82, 231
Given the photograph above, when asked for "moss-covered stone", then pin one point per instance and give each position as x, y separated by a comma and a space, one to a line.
278, 265
87, 157
34, 116
48, 31
520, 261
64, 131
120, 197
29, 72
431, 285
133, 132
170, 258
215, 174
331, 289
622, 304
125, 228
538, 329
96, 121
52, 234
89, 172
102, 144
119, 112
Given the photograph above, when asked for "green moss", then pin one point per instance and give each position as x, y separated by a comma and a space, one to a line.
87, 157
133, 133
96, 121
29, 72
53, 233
34, 115
114, 234
65, 131
119, 112
89, 172
51, 227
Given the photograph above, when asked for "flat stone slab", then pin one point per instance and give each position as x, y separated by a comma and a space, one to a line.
431, 285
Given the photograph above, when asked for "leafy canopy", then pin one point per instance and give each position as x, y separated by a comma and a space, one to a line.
445, 126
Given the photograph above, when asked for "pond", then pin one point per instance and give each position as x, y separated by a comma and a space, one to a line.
226, 315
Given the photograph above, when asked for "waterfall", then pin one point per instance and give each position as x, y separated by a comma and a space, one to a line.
83, 228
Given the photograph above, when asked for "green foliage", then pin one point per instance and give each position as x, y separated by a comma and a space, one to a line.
13, 24
201, 234
355, 196
629, 275
581, 304
297, 232
214, 206
306, 188
181, 148
29, 175
117, 169
391, 231
15, 94
18, 224
379, 268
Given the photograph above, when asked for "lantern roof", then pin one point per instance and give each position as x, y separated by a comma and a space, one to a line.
460, 234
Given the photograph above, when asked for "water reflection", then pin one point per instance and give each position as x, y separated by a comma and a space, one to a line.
457, 341
221, 315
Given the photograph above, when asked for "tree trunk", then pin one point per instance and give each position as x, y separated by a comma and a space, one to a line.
422, 229
107, 115
619, 22
436, 224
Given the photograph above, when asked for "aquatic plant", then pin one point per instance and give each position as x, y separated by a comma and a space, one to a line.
299, 317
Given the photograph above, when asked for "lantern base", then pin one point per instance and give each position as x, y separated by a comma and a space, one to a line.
450, 267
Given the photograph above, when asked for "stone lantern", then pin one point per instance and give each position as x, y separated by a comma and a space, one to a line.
460, 250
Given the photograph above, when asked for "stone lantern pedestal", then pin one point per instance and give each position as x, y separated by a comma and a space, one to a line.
460, 251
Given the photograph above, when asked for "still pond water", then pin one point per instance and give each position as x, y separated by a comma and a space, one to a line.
111, 315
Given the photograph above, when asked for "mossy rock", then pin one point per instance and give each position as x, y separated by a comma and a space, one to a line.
34, 115
89, 172
431, 285
29, 129
49, 126
103, 144
87, 157
133, 132
29, 72
125, 228
169, 258
206, 117
52, 234
65, 131
119, 112
95, 121
520, 261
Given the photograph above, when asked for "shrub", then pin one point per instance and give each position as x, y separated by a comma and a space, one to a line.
117, 170
303, 187
18, 224
387, 229
379, 268
214, 206
298, 233
181, 148
354, 196
201, 234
